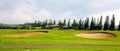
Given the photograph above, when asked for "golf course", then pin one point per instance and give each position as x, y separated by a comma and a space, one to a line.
59, 25
55, 40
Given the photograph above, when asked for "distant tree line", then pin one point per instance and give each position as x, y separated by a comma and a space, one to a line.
87, 24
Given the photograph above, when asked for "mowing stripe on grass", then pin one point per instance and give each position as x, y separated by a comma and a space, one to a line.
56, 45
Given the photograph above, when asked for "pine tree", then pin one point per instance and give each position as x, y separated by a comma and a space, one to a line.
54, 22
60, 23
64, 23
86, 26
106, 24
74, 25
68, 23
80, 26
95, 25
119, 26
101, 20
39, 23
92, 24
45, 23
35, 24
112, 25
50, 22
100, 24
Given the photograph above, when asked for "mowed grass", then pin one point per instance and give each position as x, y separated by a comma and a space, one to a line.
58, 37
66, 49
10, 31
55, 37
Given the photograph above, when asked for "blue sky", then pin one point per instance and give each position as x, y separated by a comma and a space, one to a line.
21, 11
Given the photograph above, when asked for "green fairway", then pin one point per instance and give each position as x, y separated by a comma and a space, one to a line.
66, 49
55, 37
58, 37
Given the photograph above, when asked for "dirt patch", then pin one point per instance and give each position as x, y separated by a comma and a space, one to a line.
25, 34
96, 35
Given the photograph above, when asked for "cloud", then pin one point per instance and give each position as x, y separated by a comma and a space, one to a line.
26, 11
13, 15
8, 18
103, 3
68, 15
108, 13
42, 14
21, 11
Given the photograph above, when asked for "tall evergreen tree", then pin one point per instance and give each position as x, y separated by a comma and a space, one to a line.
112, 25
95, 25
64, 23
100, 24
92, 24
80, 26
54, 22
106, 24
74, 25
101, 20
35, 24
68, 23
119, 26
39, 23
60, 23
50, 22
86, 26
45, 23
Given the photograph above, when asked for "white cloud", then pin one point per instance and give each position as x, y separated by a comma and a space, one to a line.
26, 11
102, 3
68, 15
33, 13
9, 18
42, 14
16, 16
29, 11
108, 13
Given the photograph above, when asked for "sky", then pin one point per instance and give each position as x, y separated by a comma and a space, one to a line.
22, 11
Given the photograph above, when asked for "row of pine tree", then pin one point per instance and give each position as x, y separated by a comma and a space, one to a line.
82, 24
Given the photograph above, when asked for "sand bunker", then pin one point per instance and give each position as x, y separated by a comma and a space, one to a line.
96, 35
25, 34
